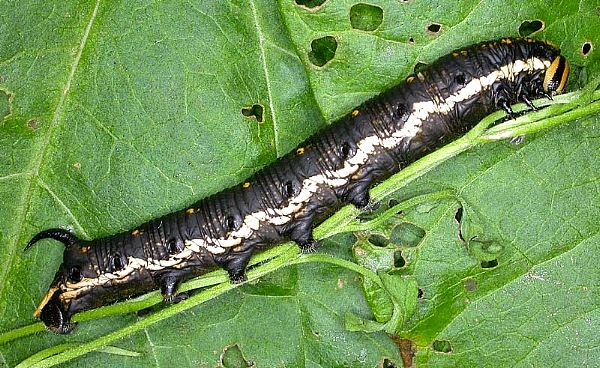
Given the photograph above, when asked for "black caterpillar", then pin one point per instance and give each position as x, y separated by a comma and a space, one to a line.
288, 198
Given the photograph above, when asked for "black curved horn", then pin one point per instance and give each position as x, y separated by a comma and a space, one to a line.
64, 236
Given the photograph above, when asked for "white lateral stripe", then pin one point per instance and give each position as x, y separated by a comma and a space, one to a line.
280, 216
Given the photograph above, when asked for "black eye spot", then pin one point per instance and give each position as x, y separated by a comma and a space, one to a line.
527, 28
401, 110
460, 79
586, 48
117, 262
230, 223
345, 150
75, 274
288, 189
322, 50
172, 246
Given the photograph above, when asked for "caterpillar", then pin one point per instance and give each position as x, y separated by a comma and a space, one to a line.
287, 199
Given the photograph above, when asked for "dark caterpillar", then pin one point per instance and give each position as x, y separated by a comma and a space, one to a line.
288, 198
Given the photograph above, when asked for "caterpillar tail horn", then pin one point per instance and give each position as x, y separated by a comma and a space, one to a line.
64, 236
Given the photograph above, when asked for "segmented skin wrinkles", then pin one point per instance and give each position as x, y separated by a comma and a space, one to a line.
288, 198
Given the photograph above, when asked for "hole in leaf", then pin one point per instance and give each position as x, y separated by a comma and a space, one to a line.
443, 346
458, 215
411, 40
322, 50
529, 27
407, 235
433, 29
489, 264
311, 4
386, 363
232, 357
392, 203
419, 66
378, 240
255, 111
399, 260
420, 293
470, 284
366, 17
586, 48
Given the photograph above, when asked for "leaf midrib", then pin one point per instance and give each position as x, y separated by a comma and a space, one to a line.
39, 159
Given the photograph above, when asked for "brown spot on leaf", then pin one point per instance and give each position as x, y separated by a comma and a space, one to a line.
33, 123
470, 284
407, 351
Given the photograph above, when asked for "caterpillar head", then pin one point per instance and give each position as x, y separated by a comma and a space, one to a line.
56, 308
556, 76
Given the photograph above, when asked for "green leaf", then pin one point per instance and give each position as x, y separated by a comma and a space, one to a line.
115, 113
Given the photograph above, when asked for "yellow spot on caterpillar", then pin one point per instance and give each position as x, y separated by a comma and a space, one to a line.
300, 151
246, 185
506, 41
190, 211
355, 113
135, 232
237, 249
85, 249
410, 79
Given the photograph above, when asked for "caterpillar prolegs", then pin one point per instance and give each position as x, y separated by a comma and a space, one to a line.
288, 198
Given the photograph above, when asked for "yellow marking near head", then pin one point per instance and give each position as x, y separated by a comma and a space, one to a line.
190, 211
300, 151
410, 79
44, 301
355, 113
556, 75
246, 185
135, 232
